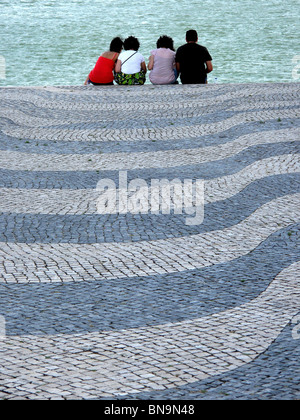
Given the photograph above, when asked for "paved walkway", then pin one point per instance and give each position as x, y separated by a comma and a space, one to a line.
163, 303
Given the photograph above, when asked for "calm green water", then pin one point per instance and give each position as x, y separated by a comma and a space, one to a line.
47, 42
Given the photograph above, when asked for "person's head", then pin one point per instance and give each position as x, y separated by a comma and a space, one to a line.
131, 43
116, 45
191, 36
165, 42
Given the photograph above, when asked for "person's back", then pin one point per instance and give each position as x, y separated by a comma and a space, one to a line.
162, 62
163, 67
131, 67
102, 73
193, 61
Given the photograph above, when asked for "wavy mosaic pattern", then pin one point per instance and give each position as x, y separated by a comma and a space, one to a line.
144, 305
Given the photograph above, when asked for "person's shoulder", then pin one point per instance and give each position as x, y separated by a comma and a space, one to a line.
180, 50
122, 55
182, 47
202, 47
204, 51
140, 55
108, 54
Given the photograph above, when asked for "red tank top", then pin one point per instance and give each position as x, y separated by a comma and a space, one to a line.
103, 70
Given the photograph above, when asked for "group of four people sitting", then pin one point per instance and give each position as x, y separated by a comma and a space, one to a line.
191, 61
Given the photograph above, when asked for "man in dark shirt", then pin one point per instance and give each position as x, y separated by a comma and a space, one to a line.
193, 61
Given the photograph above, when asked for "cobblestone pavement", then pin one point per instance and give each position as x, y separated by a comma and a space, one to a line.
148, 305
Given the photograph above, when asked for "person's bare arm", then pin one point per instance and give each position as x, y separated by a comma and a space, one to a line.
143, 67
118, 66
209, 66
151, 62
178, 67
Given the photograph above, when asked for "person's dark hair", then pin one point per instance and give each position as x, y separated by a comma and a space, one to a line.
165, 42
191, 35
116, 45
131, 43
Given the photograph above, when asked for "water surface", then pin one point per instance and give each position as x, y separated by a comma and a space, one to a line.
53, 42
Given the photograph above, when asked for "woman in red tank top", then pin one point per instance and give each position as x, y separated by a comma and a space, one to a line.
102, 73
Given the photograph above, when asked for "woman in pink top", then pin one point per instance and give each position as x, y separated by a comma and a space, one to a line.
162, 62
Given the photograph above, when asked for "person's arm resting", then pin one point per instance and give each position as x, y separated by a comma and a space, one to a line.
118, 66
143, 67
151, 62
209, 66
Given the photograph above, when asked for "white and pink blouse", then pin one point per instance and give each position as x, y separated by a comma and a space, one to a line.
163, 67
